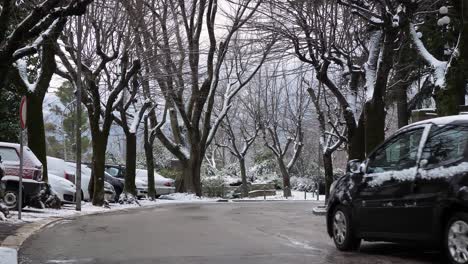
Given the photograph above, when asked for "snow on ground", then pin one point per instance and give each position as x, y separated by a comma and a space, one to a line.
34, 215
185, 197
296, 195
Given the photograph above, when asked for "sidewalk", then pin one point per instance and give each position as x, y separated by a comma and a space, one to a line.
8, 255
8, 229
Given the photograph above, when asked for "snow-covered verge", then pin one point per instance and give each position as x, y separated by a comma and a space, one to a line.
187, 197
34, 215
296, 196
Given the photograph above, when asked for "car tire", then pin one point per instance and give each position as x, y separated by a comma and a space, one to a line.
342, 230
10, 198
456, 239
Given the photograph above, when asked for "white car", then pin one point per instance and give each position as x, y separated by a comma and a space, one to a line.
162, 184
86, 172
63, 188
67, 170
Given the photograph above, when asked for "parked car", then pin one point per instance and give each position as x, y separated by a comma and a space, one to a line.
60, 168
163, 185
413, 187
67, 170
117, 184
109, 192
32, 174
86, 175
63, 188
118, 171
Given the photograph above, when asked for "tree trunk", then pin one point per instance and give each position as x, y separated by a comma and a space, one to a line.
328, 168
356, 146
36, 132
150, 167
130, 164
402, 106
375, 108
187, 182
286, 179
99, 161
245, 187
374, 124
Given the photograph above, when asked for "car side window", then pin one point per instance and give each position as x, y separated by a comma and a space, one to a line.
445, 145
398, 154
9, 154
112, 171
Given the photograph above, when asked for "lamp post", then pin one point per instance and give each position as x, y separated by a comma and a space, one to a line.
78, 117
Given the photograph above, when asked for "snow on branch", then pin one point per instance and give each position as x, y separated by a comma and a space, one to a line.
137, 119
371, 65
439, 67
33, 48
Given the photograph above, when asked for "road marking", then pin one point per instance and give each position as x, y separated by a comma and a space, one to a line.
70, 261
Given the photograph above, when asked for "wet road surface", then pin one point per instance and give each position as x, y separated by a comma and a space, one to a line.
208, 233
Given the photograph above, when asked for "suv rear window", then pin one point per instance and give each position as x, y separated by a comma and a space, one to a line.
9, 154
445, 145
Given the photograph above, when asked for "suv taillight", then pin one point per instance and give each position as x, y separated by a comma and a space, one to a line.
37, 174
70, 177
168, 184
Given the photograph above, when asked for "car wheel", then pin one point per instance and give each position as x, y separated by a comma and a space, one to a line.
456, 239
11, 198
342, 230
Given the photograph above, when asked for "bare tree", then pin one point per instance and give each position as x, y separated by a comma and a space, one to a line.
331, 131
241, 127
188, 85
284, 106
25, 25
34, 84
105, 55
130, 121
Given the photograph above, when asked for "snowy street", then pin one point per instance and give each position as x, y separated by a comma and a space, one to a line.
208, 233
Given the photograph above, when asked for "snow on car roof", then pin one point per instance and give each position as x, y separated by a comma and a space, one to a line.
440, 121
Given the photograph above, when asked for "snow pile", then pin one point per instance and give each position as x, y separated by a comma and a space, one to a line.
295, 196
184, 197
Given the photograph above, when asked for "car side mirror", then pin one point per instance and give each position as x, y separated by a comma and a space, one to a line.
354, 167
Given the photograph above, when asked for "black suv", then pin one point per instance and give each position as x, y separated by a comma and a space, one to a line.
412, 188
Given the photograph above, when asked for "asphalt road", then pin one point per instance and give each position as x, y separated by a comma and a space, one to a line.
218, 233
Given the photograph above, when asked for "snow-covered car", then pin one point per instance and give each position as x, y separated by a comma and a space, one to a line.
119, 171
117, 183
162, 184
59, 167
32, 174
86, 174
412, 188
63, 188
109, 192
